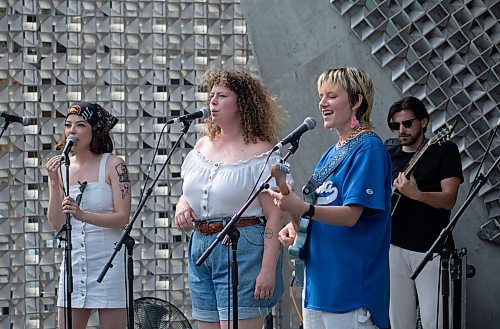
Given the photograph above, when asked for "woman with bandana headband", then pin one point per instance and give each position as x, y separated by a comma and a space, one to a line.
99, 204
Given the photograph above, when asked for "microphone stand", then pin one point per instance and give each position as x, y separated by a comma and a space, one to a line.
230, 235
478, 175
4, 126
129, 241
68, 247
438, 244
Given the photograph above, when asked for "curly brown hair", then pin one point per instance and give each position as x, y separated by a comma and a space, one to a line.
259, 115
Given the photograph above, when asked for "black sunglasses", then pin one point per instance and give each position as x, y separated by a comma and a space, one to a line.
406, 123
79, 196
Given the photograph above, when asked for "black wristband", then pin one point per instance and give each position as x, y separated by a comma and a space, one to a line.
310, 212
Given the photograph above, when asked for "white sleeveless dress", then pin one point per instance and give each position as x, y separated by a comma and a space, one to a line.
92, 248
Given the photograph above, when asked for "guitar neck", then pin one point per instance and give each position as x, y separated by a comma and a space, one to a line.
294, 219
413, 162
279, 172
283, 187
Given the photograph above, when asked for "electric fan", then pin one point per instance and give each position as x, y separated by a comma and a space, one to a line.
155, 313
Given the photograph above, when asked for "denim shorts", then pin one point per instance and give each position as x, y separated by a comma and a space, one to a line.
208, 283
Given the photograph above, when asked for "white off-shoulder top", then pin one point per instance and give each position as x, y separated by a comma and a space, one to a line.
220, 189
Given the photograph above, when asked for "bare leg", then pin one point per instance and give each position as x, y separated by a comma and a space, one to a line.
253, 323
80, 317
208, 325
112, 318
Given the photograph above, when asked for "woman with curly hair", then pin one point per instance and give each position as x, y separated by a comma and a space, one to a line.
219, 175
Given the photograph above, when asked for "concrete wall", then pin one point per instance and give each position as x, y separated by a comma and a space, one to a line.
294, 41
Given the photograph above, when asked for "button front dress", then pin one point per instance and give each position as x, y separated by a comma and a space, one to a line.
92, 248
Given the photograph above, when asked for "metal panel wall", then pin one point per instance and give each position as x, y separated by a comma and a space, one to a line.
139, 59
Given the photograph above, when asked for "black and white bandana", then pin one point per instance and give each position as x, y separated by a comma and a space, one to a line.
99, 119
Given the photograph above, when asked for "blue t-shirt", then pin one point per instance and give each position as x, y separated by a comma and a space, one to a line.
348, 267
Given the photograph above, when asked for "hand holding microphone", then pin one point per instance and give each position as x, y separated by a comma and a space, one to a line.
70, 141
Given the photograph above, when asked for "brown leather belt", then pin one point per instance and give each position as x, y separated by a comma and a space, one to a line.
215, 227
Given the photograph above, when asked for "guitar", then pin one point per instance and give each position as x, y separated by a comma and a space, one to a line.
298, 249
442, 136
279, 172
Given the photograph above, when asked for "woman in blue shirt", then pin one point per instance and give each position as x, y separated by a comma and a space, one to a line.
346, 252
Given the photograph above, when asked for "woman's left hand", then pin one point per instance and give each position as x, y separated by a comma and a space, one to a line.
70, 206
264, 285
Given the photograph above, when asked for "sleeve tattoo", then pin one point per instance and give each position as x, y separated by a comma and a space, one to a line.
123, 178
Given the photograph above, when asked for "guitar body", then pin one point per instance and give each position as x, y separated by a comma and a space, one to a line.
297, 249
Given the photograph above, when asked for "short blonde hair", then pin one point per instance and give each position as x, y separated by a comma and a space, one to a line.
355, 82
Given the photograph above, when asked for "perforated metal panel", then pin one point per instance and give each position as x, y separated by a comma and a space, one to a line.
447, 54
139, 59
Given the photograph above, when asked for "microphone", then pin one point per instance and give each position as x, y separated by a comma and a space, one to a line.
204, 112
25, 121
70, 141
308, 124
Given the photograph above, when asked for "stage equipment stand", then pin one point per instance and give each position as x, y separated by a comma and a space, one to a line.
129, 241
439, 247
68, 247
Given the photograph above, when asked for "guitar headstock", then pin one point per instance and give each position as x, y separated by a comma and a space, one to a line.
279, 171
443, 134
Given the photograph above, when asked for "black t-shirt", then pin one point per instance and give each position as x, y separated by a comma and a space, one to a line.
416, 225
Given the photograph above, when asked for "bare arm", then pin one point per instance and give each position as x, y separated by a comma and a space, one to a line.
339, 215
56, 194
333, 215
445, 199
117, 173
265, 283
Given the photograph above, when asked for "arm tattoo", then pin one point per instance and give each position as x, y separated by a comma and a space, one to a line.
123, 178
122, 171
125, 188
268, 234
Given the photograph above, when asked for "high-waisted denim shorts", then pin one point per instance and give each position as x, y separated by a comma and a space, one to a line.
208, 283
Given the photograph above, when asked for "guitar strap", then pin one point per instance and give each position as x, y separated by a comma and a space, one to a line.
327, 170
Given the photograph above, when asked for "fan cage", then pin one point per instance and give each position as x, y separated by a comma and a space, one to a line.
156, 313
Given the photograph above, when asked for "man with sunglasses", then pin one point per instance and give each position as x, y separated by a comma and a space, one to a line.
423, 210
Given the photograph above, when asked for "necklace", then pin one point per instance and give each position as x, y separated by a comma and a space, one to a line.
359, 129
